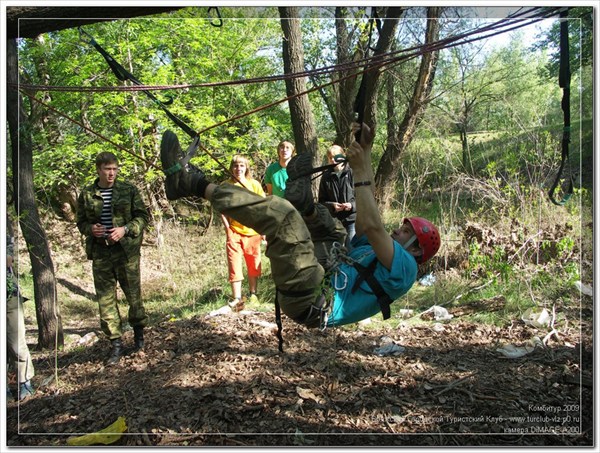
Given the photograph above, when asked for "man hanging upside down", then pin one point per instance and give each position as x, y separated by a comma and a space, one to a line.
313, 287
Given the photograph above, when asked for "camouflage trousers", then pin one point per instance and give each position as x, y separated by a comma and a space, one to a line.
297, 249
109, 266
17, 349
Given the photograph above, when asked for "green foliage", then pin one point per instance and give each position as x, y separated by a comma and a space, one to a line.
194, 53
581, 40
491, 266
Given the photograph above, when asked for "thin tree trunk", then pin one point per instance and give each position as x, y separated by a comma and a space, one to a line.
465, 147
346, 91
384, 45
49, 321
386, 174
303, 123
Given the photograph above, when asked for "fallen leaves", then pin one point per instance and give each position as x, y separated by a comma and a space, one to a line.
222, 381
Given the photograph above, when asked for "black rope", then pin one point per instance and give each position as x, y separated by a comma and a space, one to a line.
122, 74
278, 322
564, 81
220, 20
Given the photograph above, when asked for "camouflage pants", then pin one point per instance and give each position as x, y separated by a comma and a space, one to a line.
109, 266
18, 352
297, 249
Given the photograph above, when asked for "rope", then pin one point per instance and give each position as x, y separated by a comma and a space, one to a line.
548, 12
278, 322
220, 20
116, 145
370, 65
122, 74
564, 81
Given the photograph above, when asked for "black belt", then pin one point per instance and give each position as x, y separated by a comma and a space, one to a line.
104, 242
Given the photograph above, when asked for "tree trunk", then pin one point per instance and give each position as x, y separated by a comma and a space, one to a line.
386, 174
49, 321
303, 123
384, 45
465, 147
346, 90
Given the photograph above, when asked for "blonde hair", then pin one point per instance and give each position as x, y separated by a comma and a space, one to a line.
240, 158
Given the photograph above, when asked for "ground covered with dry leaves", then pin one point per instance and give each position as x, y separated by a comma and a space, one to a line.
221, 381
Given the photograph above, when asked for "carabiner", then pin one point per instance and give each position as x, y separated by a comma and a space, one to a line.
336, 283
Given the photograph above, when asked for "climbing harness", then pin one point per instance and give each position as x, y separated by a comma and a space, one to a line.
365, 274
564, 81
337, 256
324, 301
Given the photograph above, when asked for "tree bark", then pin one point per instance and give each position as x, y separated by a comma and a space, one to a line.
345, 91
50, 331
384, 45
386, 173
303, 123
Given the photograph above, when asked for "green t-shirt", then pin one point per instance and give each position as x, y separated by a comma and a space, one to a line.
276, 175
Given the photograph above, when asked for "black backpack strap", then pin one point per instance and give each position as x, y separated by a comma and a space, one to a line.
367, 274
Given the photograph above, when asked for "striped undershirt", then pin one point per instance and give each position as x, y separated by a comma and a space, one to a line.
106, 216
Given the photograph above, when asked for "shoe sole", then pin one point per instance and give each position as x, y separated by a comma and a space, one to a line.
169, 150
300, 166
298, 190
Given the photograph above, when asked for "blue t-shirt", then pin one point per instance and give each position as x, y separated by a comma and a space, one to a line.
351, 307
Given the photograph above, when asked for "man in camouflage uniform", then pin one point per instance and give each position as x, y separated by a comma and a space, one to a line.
111, 214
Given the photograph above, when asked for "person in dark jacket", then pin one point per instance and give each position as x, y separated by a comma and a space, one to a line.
112, 216
336, 191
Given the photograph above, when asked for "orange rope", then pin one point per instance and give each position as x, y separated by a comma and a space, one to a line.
151, 164
52, 109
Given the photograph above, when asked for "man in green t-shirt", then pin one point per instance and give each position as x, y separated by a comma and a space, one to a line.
276, 174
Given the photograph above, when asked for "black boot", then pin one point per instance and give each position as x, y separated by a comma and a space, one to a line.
116, 352
138, 337
298, 189
179, 182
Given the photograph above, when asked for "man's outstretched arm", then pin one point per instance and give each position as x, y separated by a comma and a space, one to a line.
368, 219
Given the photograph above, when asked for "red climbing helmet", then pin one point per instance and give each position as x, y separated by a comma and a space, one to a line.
427, 235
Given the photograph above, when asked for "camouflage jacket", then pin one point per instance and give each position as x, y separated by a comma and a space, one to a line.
128, 208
